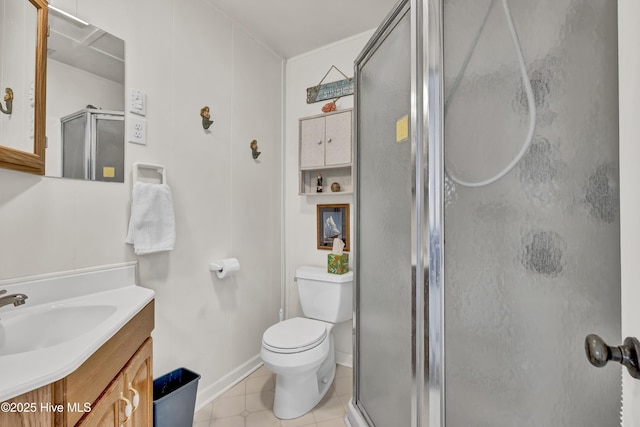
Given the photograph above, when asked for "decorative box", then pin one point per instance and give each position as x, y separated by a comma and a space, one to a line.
338, 264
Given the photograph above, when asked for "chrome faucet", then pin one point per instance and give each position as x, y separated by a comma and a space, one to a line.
15, 299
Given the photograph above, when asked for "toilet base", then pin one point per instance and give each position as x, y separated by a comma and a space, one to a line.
298, 394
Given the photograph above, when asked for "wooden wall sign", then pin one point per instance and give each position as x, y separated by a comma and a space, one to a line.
331, 90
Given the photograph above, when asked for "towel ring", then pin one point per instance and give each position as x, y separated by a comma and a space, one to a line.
158, 168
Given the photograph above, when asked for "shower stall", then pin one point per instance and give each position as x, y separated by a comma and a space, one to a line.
487, 215
93, 145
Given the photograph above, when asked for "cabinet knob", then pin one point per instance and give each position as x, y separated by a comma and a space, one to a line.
319, 142
127, 408
329, 140
135, 400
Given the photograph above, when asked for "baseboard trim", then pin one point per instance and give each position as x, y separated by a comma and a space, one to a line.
208, 394
344, 359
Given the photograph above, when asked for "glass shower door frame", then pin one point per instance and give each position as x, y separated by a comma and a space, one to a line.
427, 171
427, 126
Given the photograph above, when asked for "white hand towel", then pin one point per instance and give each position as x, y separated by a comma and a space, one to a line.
152, 223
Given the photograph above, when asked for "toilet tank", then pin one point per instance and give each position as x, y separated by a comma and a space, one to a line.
325, 296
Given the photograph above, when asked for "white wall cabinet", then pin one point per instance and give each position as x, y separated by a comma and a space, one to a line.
326, 148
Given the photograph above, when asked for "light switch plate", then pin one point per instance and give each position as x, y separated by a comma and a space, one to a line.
138, 102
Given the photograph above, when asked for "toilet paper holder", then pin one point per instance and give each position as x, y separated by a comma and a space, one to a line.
215, 266
225, 267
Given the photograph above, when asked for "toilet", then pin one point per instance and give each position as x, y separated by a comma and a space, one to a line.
300, 350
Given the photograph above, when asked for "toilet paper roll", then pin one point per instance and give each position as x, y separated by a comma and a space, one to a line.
225, 267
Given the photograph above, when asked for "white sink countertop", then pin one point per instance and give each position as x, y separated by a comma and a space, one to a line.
65, 319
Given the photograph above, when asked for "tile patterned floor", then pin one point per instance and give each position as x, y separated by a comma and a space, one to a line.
250, 403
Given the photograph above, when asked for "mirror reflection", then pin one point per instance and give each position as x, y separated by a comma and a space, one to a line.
85, 101
18, 21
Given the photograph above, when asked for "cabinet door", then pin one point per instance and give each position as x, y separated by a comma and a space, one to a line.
135, 379
312, 143
139, 382
109, 410
338, 137
26, 411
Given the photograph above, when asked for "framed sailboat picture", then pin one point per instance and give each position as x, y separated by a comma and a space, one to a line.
333, 222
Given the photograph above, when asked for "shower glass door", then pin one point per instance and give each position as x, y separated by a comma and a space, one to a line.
383, 388
108, 139
516, 207
531, 211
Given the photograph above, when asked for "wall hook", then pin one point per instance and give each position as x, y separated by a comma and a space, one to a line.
8, 97
254, 149
206, 117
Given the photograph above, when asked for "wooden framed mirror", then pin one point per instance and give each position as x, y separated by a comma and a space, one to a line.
12, 157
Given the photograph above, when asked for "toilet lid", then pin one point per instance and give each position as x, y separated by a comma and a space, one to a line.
294, 335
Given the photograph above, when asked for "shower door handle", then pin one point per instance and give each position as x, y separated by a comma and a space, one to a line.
599, 353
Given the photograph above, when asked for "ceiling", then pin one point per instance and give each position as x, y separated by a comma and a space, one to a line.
293, 27
86, 47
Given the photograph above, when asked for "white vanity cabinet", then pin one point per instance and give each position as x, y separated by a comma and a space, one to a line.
326, 148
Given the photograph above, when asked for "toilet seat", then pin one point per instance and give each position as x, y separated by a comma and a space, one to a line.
294, 335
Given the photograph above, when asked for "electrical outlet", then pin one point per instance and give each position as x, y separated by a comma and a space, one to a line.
137, 130
138, 102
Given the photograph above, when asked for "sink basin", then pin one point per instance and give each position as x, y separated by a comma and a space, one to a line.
50, 326
67, 318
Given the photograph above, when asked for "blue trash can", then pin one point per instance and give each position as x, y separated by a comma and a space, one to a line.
174, 398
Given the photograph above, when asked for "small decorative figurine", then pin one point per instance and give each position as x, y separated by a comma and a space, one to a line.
319, 183
335, 187
254, 149
8, 97
206, 117
329, 107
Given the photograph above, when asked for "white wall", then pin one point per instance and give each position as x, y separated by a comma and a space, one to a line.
184, 54
300, 211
